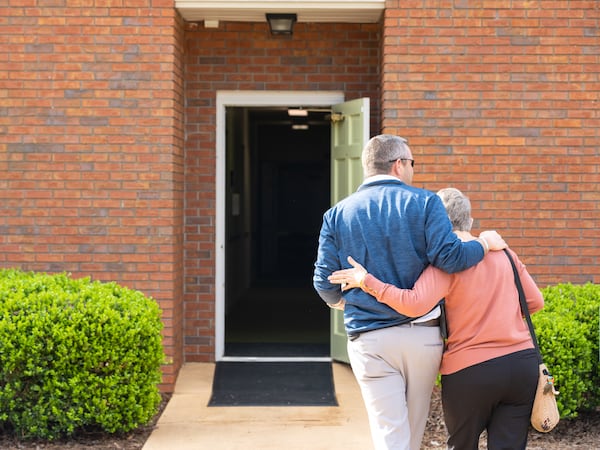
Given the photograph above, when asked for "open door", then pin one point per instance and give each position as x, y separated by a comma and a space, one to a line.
349, 134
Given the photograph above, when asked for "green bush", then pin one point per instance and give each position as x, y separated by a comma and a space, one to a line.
76, 354
568, 333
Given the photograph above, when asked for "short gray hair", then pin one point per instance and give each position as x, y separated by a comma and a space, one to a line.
458, 208
381, 152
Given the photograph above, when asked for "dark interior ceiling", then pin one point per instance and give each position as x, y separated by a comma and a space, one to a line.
280, 116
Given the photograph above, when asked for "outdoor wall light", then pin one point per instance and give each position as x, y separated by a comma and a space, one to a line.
281, 23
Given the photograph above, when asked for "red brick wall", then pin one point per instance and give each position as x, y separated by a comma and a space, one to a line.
91, 147
244, 56
503, 103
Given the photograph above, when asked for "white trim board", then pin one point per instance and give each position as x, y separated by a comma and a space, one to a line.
350, 11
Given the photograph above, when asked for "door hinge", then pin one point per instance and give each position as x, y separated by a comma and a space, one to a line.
337, 117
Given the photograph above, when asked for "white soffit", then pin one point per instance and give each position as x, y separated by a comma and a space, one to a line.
352, 11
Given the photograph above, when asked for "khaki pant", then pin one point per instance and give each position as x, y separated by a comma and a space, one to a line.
396, 368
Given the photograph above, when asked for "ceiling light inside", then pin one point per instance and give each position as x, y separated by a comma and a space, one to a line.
297, 112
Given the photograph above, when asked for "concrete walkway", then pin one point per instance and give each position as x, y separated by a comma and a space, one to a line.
188, 424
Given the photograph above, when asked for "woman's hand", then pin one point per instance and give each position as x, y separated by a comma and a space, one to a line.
349, 278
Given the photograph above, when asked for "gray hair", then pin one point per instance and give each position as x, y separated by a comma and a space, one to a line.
381, 152
458, 208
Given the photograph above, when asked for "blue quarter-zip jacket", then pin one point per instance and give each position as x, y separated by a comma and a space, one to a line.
395, 231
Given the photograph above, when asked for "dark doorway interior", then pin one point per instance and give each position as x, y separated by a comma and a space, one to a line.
280, 183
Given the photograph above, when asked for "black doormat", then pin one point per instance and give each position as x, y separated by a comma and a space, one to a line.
273, 384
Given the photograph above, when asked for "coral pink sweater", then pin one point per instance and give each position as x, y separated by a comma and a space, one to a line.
482, 307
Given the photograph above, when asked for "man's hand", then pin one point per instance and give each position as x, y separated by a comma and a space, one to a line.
349, 278
493, 240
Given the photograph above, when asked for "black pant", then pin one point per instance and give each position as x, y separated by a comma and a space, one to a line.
496, 395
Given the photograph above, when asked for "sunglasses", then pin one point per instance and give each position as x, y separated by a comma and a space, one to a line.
412, 161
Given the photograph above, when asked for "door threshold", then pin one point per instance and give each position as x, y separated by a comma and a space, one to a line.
276, 358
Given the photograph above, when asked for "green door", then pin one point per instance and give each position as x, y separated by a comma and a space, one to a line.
349, 134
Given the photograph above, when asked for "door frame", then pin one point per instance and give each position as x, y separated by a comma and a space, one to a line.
227, 99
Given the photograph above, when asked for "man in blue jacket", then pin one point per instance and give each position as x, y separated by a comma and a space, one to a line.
396, 230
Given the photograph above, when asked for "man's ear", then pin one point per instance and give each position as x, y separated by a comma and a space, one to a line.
398, 170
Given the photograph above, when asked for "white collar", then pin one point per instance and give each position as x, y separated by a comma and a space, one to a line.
379, 177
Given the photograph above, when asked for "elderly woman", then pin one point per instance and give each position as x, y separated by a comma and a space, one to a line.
489, 367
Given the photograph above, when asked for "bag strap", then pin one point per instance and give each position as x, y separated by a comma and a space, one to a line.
523, 303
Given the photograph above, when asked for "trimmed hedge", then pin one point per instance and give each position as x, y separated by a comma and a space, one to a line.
568, 331
76, 354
